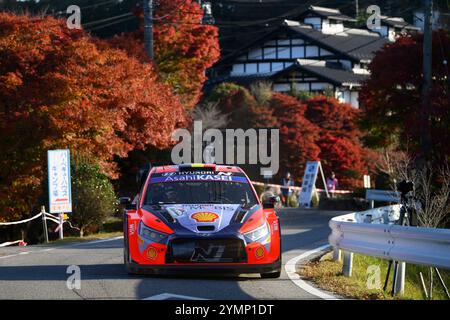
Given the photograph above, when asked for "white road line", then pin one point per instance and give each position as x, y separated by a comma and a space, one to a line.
94, 242
166, 296
291, 270
63, 246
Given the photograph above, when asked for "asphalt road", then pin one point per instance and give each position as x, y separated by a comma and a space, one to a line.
40, 272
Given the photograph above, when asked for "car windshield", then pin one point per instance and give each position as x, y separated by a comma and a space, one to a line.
194, 192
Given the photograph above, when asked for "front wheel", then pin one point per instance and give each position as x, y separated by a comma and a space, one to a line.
271, 275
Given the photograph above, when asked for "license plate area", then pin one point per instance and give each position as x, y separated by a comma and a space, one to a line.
207, 251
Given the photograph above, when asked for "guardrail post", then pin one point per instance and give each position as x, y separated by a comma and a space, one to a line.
400, 283
348, 264
44, 224
336, 254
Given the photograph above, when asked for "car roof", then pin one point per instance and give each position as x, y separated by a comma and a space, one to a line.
196, 166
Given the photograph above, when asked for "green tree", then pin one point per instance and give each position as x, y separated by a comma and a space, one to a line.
93, 196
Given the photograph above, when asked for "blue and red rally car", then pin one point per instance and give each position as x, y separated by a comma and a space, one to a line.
201, 217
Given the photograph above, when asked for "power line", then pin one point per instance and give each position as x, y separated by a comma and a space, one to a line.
87, 24
112, 23
99, 4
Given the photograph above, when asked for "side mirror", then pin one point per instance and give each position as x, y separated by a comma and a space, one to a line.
125, 201
270, 202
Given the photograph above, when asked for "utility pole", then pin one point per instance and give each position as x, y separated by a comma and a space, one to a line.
148, 28
427, 80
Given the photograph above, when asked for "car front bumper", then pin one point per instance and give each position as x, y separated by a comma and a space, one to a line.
234, 269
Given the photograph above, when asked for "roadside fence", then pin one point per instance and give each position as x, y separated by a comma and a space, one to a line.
45, 216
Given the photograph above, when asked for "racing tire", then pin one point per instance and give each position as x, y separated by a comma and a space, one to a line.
271, 275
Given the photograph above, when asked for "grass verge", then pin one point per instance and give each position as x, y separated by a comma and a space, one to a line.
327, 274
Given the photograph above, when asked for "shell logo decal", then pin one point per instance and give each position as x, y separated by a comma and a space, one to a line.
205, 216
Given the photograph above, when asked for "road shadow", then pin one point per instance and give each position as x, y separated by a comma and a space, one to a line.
97, 272
303, 229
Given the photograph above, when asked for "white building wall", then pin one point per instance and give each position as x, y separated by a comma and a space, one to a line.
347, 96
301, 86
335, 27
318, 86
315, 22
281, 87
354, 99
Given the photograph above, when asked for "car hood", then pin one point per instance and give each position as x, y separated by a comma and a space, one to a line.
193, 216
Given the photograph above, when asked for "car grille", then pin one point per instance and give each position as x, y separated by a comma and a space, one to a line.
206, 251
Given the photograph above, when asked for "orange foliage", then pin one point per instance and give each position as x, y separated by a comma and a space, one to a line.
184, 47
61, 89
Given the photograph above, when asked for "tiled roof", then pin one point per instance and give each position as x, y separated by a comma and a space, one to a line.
328, 13
355, 43
318, 68
335, 75
397, 23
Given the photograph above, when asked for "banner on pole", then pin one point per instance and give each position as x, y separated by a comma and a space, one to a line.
309, 183
59, 182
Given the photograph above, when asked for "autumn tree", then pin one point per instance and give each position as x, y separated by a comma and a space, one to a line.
242, 107
61, 89
297, 134
317, 128
341, 148
392, 96
184, 47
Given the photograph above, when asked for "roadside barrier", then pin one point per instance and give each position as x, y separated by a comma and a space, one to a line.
256, 183
45, 216
21, 221
415, 245
19, 242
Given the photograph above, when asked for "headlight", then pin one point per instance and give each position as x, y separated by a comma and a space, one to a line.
259, 233
152, 235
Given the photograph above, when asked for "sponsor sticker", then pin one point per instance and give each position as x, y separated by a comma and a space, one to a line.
205, 216
197, 177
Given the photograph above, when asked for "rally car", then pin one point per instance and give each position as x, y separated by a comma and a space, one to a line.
201, 217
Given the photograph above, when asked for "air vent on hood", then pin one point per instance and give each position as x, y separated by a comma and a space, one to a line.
168, 216
205, 228
240, 215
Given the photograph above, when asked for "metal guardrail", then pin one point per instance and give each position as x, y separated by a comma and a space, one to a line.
256, 183
423, 246
381, 195
385, 215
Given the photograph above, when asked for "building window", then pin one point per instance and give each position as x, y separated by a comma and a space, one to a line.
277, 66
312, 51
284, 53
238, 69
298, 52
251, 68
270, 53
264, 67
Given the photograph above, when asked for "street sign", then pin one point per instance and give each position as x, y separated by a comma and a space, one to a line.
309, 183
366, 182
59, 183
